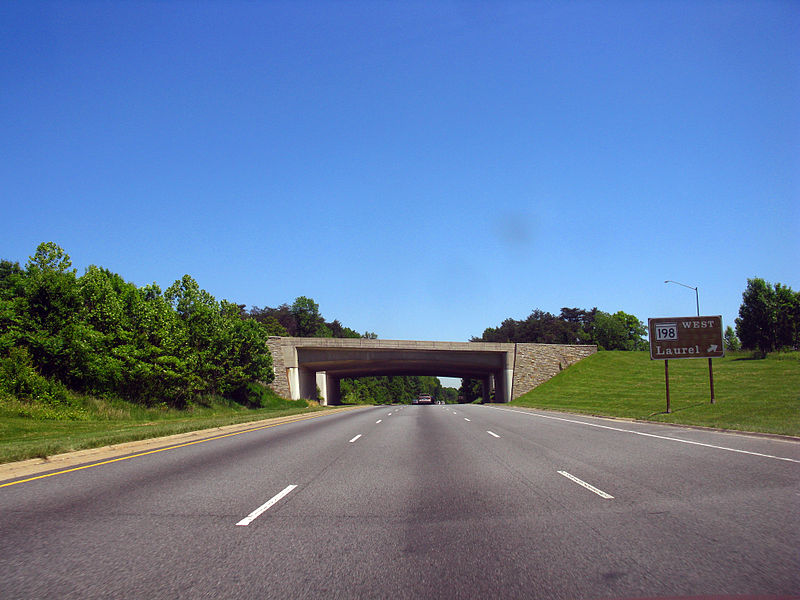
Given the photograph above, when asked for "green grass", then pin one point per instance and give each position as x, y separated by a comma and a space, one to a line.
751, 394
31, 430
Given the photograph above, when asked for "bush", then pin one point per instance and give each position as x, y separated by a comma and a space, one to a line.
255, 395
33, 395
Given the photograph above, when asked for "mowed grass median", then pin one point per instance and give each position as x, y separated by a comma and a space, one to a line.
761, 395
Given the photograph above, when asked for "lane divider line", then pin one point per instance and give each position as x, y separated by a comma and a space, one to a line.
355, 438
492, 433
588, 486
264, 507
138, 454
652, 435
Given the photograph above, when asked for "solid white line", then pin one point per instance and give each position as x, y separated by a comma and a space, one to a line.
257, 512
355, 438
600, 493
492, 433
466, 419
652, 435
378, 421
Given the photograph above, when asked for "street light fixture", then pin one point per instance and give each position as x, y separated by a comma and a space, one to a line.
696, 293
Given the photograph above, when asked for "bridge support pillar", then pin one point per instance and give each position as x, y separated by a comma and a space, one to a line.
485, 389
322, 386
293, 375
302, 383
502, 385
334, 391
328, 388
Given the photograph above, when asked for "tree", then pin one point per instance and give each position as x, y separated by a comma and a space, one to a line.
273, 327
13, 305
634, 331
51, 325
787, 317
51, 257
306, 313
610, 333
769, 317
755, 326
731, 341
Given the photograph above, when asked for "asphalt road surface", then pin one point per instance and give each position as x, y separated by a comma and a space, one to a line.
417, 502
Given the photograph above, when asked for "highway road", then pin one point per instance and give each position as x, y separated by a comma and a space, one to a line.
417, 502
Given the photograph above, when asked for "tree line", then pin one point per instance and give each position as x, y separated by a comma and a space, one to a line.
97, 334
390, 389
100, 335
302, 319
618, 331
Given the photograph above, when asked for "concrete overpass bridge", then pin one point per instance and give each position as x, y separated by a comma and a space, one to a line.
304, 364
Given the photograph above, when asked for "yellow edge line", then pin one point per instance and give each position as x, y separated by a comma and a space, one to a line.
137, 455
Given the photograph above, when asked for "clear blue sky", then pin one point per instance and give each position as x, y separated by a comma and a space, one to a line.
422, 170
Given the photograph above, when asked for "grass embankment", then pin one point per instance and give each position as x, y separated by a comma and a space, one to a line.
760, 395
29, 430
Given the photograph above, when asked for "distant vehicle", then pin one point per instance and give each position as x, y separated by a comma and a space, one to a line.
424, 399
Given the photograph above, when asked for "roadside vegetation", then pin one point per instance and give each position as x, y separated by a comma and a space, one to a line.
38, 430
93, 359
752, 394
89, 360
393, 390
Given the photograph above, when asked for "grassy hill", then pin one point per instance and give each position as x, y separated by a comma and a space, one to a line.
751, 394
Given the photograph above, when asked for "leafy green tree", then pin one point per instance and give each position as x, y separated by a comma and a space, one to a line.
13, 305
755, 326
610, 333
787, 317
51, 324
769, 317
340, 331
273, 327
50, 257
306, 314
730, 340
635, 331
471, 390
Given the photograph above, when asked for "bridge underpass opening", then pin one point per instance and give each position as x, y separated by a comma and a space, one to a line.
324, 368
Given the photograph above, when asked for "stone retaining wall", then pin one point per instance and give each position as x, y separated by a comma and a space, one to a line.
536, 363
281, 381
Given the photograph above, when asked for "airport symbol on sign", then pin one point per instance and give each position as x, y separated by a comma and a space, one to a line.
686, 337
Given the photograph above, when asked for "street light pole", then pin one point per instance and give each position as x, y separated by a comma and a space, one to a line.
696, 293
710, 370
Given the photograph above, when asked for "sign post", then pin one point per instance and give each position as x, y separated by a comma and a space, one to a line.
686, 337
